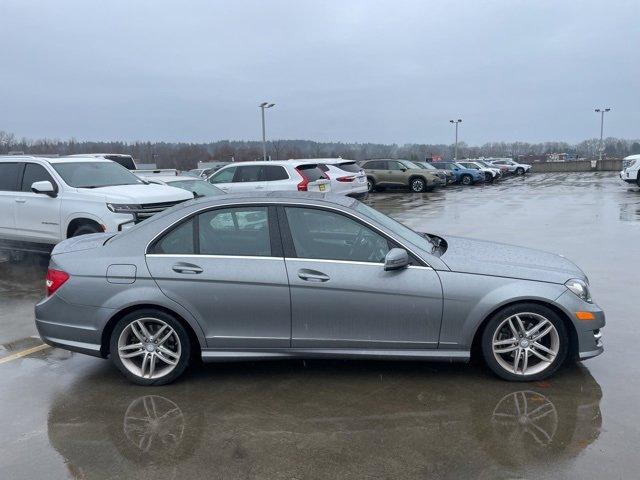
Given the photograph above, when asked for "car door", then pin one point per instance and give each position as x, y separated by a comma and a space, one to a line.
341, 296
223, 178
9, 178
249, 178
225, 266
37, 214
378, 170
397, 172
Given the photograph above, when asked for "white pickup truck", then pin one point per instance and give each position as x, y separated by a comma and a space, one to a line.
46, 200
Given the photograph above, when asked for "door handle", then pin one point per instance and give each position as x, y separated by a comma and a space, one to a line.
186, 268
21, 200
312, 275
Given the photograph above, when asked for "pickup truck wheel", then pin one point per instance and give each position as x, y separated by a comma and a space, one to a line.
85, 230
418, 185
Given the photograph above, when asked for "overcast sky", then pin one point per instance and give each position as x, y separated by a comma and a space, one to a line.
388, 72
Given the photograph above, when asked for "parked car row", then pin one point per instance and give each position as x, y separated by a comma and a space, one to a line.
423, 176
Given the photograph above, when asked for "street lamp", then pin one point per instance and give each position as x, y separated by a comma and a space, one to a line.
264, 105
602, 111
455, 154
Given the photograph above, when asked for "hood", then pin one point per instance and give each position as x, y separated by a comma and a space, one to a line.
141, 194
501, 260
83, 242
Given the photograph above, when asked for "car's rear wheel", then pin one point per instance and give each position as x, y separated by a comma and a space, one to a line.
525, 342
418, 185
150, 347
466, 179
519, 171
371, 185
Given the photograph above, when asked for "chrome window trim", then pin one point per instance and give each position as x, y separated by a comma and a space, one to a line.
280, 203
195, 255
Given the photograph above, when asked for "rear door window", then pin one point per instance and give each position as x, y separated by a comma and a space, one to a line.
249, 173
9, 176
275, 172
235, 231
178, 241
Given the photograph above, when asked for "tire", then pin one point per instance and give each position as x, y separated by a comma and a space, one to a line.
488, 178
519, 171
371, 185
502, 363
178, 344
418, 185
466, 179
85, 230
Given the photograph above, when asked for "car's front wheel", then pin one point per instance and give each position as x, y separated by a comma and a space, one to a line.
150, 347
488, 177
519, 171
525, 342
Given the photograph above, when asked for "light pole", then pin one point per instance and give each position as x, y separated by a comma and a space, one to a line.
601, 111
455, 154
264, 105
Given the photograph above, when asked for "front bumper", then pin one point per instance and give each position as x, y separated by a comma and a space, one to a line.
588, 332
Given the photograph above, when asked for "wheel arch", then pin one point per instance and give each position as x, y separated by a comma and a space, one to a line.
476, 346
111, 323
77, 222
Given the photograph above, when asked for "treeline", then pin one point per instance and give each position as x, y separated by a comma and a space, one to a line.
187, 155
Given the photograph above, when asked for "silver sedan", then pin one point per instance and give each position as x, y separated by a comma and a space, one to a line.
247, 277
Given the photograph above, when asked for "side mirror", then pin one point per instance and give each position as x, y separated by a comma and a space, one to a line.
45, 187
403, 169
396, 259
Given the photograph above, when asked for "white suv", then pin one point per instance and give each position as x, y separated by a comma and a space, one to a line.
512, 166
347, 177
630, 167
46, 200
261, 176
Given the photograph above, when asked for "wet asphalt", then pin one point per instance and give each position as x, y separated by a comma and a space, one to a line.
64, 415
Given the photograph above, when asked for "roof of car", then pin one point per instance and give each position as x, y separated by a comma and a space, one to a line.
294, 162
13, 158
279, 196
171, 178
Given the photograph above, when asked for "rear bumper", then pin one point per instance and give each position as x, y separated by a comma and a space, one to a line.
73, 327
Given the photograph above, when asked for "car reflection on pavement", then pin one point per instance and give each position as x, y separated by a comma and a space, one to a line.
279, 423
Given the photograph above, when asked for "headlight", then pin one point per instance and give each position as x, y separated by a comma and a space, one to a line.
580, 288
123, 207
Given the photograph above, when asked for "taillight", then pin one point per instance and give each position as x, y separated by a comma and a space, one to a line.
303, 185
55, 279
346, 179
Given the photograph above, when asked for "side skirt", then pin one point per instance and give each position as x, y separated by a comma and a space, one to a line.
231, 355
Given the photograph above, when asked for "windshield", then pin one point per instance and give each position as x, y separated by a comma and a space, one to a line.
200, 187
426, 166
396, 227
411, 165
95, 174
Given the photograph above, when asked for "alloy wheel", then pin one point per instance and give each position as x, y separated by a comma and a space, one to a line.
149, 348
525, 343
417, 185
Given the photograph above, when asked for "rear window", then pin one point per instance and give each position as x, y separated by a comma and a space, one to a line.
9, 173
310, 172
352, 167
126, 161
